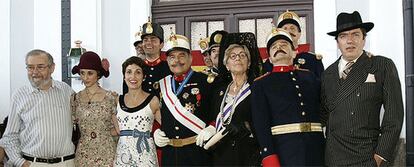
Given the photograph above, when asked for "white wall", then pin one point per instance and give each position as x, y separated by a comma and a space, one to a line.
386, 38
47, 31
27, 25
116, 42
85, 26
5, 57
107, 28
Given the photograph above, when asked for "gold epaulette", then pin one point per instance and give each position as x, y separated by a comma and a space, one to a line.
317, 55
210, 78
264, 75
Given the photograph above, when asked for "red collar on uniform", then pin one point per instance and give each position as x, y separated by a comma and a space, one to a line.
181, 77
303, 48
283, 68
153, 63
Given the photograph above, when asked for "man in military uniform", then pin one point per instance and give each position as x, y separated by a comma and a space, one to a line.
153, 42
138, 45
214, 48
290, 22
204, 49
185, 109
285, 107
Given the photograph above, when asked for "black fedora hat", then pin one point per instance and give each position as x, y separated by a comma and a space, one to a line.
349, 21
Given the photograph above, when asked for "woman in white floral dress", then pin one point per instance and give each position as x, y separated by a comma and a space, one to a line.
136, 112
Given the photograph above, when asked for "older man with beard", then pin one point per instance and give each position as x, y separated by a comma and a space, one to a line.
40, 127
285, 109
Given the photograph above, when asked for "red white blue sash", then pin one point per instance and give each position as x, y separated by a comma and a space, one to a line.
179, 112
227, 111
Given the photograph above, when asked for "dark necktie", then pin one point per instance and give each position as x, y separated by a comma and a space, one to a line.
347, 69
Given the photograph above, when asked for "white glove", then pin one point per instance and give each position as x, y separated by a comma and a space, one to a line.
204, 135
160, 138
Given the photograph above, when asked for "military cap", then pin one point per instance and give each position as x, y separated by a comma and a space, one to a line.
216, 38
288, 17
278, 33
155, 29
177, 42
138, 38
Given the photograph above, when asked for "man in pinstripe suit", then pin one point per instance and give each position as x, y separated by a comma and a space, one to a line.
353, 90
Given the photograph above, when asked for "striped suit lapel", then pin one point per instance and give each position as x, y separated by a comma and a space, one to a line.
355, 78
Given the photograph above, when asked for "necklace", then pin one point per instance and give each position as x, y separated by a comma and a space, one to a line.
236, 88
229, 99
90, 96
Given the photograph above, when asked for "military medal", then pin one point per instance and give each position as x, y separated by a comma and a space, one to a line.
189, 107
185, 95
195, 91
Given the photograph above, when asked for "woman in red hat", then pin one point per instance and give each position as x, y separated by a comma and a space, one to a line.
93, 108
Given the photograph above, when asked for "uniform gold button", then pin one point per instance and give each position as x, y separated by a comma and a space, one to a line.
300, 95
177, 128
291, 73
150, 75
177, 137
303, 113
301, 103
294, 79
152, 68
265, 149
297, 86
358, 94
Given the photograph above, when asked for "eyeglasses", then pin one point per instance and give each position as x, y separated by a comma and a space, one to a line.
39, 68
241, 55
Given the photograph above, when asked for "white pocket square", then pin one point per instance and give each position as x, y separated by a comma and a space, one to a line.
370, 78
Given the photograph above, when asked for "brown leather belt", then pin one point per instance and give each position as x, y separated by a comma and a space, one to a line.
182, 142
296, 128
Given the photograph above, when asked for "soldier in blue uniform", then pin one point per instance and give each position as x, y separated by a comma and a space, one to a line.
214, 48
290, 22
185, 109
152, 42
285, 107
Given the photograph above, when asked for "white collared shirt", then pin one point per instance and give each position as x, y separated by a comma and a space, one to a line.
39, 123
